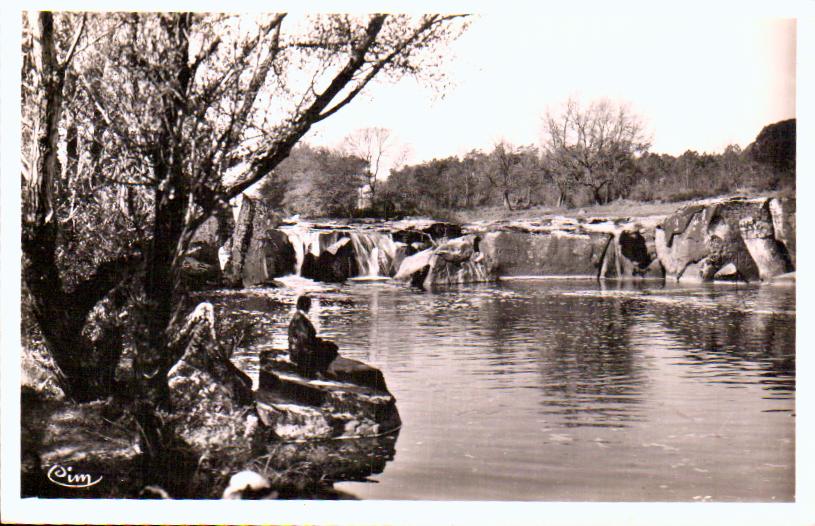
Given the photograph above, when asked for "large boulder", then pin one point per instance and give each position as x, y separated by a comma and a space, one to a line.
335, 264
351, 400
215, 231
211, 399
258, 252
201, 268
458, 261
630, 255
428, 234
556, 253
783, 214
269, 256
455, 262
413, 265
696, 242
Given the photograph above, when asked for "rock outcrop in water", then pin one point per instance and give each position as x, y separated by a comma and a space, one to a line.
631, 253
557, 253
455, 262
258, 252
731, 239
336, 263
350, 400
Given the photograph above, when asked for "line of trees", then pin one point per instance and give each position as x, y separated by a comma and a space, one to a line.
590, 154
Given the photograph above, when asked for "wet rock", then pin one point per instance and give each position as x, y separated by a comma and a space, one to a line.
628, 256
458, 261
350, 400
768, 254
335, 264
697, 241
428, 234
454, 262
439, 231
417, 278
419, 246
540, 254
728, 272
409, 236
254, 243
267, 258
783, 214
402, 251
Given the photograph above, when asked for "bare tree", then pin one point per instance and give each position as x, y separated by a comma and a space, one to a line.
371, 145
188, 111
594, 147
511, 170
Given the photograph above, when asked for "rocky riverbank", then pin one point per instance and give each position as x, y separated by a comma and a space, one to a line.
301, 434
297, 434
729, 239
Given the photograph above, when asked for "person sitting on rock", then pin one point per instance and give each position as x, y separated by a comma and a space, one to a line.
310, 353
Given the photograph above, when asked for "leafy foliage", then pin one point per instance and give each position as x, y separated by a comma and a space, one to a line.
316, 182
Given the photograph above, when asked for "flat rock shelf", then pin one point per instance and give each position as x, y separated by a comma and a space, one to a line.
350, 400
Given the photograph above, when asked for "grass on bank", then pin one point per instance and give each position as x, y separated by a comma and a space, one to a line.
617, 209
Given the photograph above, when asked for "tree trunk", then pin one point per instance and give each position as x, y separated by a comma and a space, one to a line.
87, 367
597, 192
505, 198
170, 237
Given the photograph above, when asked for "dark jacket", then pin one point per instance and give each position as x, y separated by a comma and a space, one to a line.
310, 353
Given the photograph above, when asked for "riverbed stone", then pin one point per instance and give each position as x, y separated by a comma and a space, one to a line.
349, 400
254, 242
783, 215
698, 240
335, 264
546, 253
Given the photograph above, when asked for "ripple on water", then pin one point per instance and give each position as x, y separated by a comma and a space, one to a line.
561, 390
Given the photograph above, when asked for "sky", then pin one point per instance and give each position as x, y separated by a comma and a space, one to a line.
698, 82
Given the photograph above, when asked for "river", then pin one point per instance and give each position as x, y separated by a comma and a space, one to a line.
564, 390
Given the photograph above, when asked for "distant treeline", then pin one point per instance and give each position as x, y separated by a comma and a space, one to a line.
591, 156
522, 177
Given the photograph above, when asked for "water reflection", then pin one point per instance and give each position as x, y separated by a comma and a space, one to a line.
310, 469
567, 390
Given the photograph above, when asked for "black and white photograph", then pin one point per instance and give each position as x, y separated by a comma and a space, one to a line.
507, 258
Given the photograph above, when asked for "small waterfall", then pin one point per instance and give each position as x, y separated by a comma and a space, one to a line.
304, 241
374, 252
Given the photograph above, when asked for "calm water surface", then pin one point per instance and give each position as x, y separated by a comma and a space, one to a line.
565, 390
